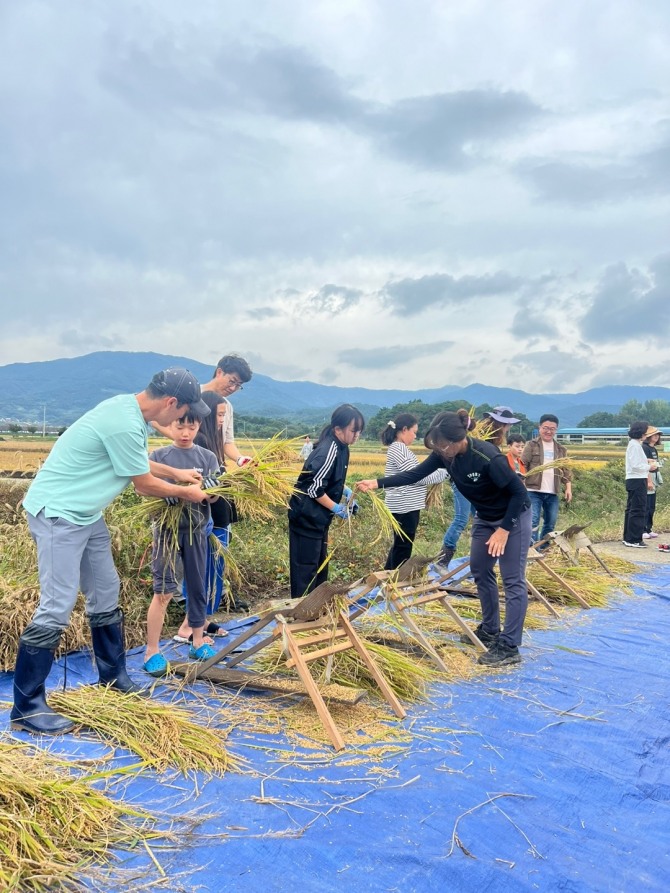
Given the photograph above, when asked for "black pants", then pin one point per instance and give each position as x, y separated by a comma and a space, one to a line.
636, 510
307, 553
651, 508
402, 545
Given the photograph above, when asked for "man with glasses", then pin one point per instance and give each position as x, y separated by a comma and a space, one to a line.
230, 375
544, 488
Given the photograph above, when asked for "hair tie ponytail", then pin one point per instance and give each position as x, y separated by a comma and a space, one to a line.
391, 423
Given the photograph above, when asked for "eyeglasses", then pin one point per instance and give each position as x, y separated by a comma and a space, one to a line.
447, 448
549, 428
235, 383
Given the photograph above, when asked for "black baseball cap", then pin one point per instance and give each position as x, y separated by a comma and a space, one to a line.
180, 383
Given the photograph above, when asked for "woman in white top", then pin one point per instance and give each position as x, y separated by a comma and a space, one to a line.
638, 468
405, 503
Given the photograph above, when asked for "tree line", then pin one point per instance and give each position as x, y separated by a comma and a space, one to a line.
425, 412
656, 412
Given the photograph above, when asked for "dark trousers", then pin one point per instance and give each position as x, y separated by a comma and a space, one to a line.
402, 545
512, 565
651, 508
636, 510
307, 553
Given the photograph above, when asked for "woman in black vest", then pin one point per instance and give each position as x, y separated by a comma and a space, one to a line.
500, 532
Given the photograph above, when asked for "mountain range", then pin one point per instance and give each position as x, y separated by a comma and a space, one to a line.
62, 390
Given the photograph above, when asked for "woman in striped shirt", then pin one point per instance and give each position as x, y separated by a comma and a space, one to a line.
405, 503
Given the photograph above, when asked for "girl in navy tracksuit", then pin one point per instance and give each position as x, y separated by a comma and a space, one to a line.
321, 484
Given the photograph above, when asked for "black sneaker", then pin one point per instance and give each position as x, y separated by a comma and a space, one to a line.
500, 655
484, 637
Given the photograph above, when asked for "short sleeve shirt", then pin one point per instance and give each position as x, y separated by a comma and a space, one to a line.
195, 458
91, 463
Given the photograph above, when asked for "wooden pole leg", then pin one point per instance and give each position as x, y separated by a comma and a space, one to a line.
314, 693
370, 663
542, 598
566, 586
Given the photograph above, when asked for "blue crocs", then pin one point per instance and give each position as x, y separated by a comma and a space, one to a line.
156, 665
202, 653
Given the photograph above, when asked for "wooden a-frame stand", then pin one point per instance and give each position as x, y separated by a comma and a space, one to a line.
308, 631
403, 593
575, 538
537, 557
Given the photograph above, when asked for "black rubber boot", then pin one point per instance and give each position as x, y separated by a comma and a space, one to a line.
30, 712
110, 652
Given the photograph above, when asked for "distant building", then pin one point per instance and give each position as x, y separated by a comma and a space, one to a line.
597, 435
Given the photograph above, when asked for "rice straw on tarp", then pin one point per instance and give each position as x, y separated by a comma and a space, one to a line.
593, 585
55, 827
163, 735
370, 729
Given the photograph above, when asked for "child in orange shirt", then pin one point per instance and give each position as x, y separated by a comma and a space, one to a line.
516, 443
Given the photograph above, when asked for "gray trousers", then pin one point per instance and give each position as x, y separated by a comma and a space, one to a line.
513, 572
71, 557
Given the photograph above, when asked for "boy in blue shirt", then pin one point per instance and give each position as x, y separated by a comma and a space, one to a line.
191, 546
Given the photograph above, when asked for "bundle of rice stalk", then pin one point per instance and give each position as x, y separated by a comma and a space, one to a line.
406, 675
565, 462
233, 572
54, 826
435, 498
162, 735
594, 586
483, 428
386, 522
257, 488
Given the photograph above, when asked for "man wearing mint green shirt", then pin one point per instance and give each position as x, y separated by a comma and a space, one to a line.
92, 462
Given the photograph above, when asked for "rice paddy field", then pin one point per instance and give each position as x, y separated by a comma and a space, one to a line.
26, 454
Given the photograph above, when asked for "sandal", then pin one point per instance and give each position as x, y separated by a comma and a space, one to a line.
156, 665
215, 629
203, 653
212, 629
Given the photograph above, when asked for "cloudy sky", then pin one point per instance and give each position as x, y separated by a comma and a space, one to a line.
355, 192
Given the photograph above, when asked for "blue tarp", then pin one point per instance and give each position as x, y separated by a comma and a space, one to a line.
554, 776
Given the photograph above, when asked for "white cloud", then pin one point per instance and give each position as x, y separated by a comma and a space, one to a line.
344, 191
